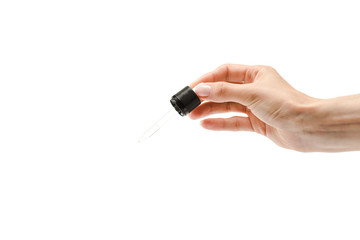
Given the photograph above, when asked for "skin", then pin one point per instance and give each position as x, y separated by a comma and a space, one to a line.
276, 110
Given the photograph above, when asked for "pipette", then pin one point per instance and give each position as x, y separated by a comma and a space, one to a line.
183, 102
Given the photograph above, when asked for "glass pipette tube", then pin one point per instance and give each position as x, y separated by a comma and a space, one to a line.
159, 124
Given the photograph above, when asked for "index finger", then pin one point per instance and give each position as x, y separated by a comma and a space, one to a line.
233, 73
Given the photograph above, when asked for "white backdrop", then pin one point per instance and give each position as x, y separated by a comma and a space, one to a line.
81, 80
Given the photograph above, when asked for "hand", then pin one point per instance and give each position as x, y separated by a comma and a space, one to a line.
273, 107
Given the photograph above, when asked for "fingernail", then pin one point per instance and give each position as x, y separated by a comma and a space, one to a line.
202, 90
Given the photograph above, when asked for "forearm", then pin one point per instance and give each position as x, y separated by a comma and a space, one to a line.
334, 124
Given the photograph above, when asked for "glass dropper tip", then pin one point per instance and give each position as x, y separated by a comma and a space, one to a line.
156, 127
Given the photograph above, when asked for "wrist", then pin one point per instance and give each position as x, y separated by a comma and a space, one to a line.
332, 124
313, 114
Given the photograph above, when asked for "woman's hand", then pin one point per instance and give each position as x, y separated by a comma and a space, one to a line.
274, 108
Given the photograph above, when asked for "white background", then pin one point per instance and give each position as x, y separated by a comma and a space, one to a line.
81, 80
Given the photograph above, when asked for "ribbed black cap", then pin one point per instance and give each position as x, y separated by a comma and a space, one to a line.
185, 101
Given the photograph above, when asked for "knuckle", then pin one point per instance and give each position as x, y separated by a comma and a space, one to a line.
269, 68
212, 74
265, 67
211, 108
228, 107
220, 89
224, 69
225, 66
237, 124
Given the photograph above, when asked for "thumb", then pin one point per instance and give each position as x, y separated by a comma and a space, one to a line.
226, 92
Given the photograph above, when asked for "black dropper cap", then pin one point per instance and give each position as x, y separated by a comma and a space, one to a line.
185, 101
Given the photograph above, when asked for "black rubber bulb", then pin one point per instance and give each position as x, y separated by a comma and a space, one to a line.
185, 101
